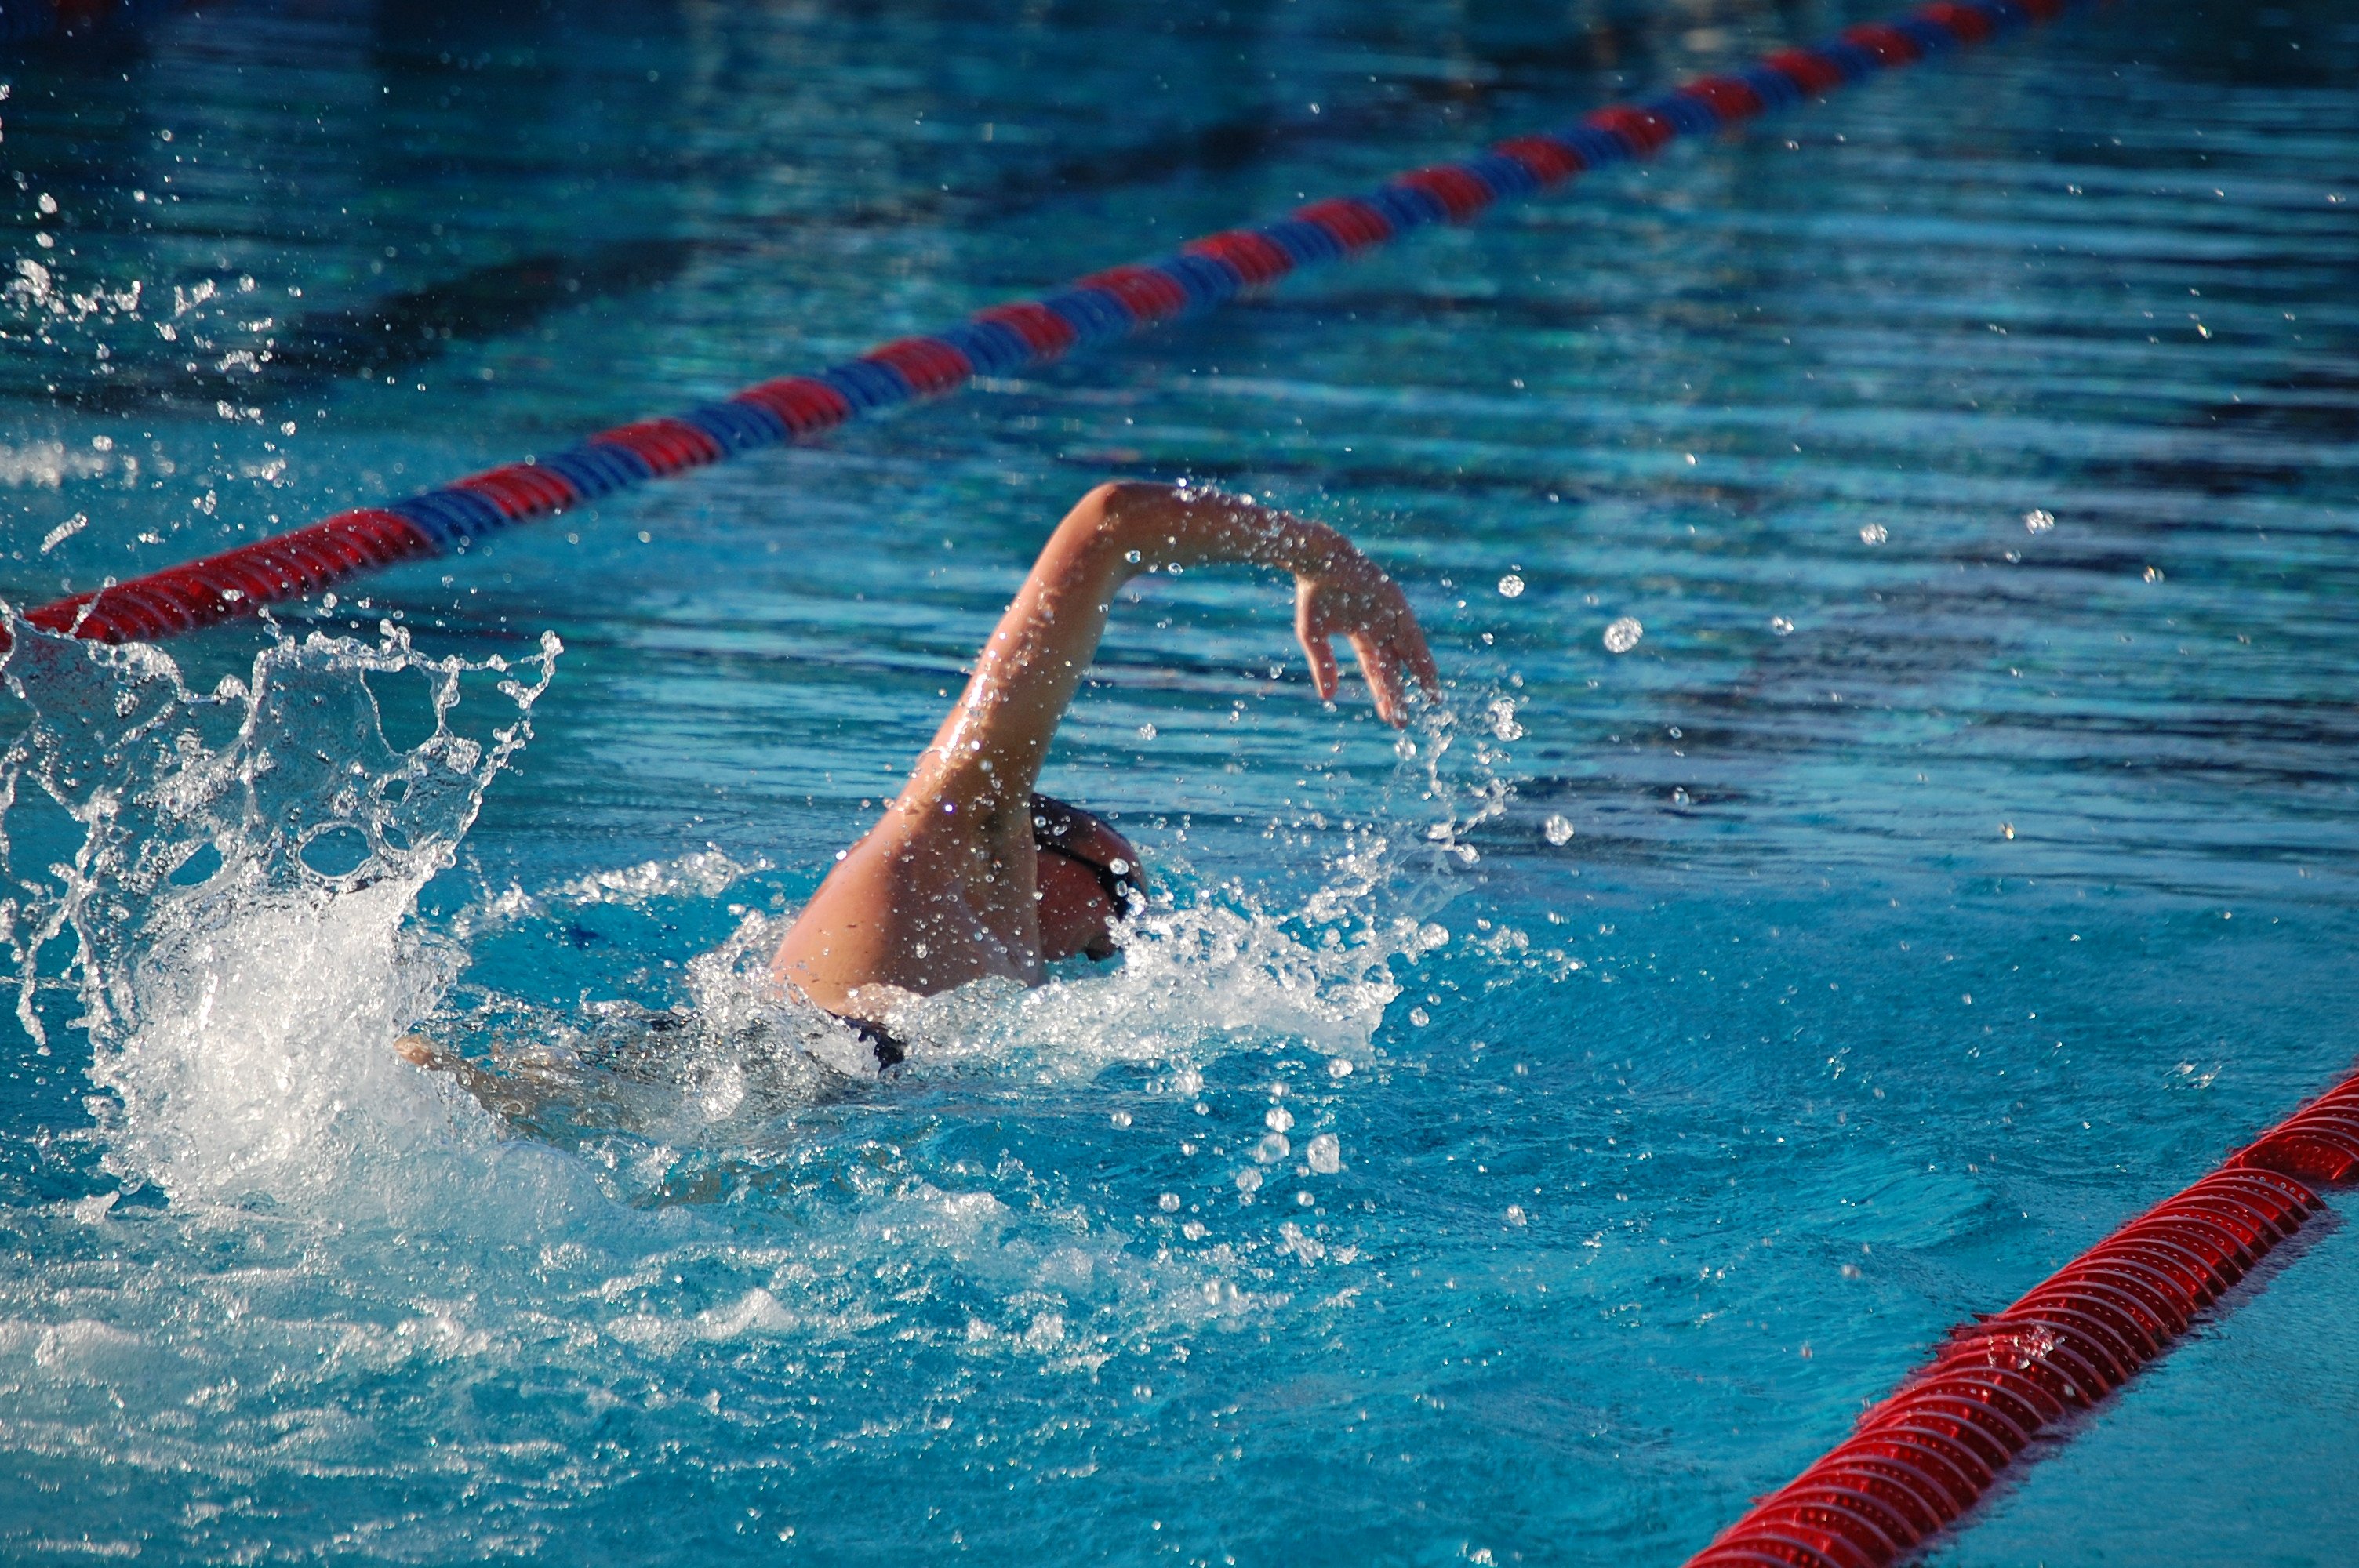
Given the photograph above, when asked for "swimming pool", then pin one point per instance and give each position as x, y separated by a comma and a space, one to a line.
1937, 890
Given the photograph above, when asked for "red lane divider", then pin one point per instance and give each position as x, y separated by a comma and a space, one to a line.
1917, 1462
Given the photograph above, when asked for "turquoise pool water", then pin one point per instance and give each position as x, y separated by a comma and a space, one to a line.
1962, 857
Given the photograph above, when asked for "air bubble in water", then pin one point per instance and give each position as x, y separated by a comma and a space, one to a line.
1515, 1215
1120, 1118
1169, 1203
1558, 830
1779, 625
2039, 520
1325, 1153
1624, 634
1873, 534
1419, 1017
1510, 586
1272, 1148
1278, 1119
1249, 1180
1339, 1068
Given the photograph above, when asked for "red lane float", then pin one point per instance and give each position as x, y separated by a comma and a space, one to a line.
1917, 1462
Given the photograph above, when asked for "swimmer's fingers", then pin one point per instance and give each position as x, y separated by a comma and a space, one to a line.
1312, 630
1381, 664
1376, 616
1393, 651
1407, 645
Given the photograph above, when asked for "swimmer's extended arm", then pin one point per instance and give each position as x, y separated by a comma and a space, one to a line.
940, 890
991, 748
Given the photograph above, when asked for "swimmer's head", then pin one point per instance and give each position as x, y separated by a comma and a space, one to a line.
1087, 873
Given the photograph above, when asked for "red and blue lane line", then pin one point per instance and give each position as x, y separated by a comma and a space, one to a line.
1098, 309
1915, 1464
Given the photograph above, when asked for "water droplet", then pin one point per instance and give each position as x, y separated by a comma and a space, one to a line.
1419, 1017
1325, 1153
1503, 718
1146, 731
1558, 830
1272, 1148
1169, 1203
1510, 586
2039, 520
1779, 625
1624, 634
2154, 574
1120, 1118
1278, 1119
1432, 934
1515, 1215
1339, 1068
2007, 830
1681, 797
1249, 1180
1193, 1230
1873, 534
1305, 1200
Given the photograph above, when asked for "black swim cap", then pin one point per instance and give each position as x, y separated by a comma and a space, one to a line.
1056, 826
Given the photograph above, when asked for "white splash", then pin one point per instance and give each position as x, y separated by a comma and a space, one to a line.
237, 903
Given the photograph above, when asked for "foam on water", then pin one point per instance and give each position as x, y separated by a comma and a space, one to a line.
737, 1064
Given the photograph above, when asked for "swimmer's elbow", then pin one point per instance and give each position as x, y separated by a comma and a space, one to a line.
1108, 505
1113, 494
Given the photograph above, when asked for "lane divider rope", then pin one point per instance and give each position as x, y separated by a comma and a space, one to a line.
1206, 272
1917, 1462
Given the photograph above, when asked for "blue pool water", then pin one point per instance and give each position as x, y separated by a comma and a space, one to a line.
1702, 1030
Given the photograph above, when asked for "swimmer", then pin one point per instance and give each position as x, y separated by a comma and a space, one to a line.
969, 873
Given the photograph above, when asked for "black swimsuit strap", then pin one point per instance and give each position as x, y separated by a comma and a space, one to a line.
890, 1053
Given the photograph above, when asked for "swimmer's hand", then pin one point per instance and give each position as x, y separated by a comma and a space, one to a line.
1351, 597
1338, 591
